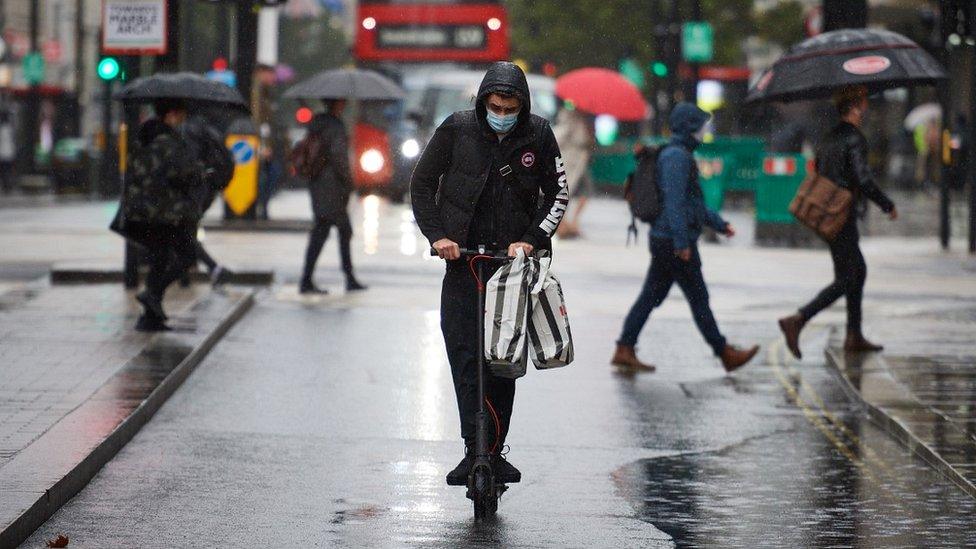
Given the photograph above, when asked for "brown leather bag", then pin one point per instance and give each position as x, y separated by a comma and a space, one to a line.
822, 205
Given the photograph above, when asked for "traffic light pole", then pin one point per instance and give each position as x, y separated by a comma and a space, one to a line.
945, 28
247, 47
655, 13
673, 50
105, 168
130, 116
33, 94
692, 95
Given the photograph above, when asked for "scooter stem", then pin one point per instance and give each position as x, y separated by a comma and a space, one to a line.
481, 442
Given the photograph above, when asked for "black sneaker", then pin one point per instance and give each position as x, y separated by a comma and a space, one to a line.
459, 475
152, 304
505, 472
151, 323
353, 285
309, 288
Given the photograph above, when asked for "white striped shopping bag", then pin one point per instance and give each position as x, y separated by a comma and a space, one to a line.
549, 333
507, 302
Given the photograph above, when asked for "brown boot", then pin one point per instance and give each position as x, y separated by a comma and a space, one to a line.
855, 343
625, 357
734, 358
791, 327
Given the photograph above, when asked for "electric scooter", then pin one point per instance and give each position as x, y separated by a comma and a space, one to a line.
483, 489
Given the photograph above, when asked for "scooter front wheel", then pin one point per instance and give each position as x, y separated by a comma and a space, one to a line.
483, 494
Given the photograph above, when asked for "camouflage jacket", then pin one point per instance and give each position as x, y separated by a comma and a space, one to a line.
160, 180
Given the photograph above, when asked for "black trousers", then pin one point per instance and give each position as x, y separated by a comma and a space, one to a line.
170, 252
459, 323
317, 238
850, 272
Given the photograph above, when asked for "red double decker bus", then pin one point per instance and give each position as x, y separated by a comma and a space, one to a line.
431, 31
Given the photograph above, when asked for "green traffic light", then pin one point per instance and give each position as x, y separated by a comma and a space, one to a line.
108, 68
659, 68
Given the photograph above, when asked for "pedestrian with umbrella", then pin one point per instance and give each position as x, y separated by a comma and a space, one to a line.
158, 209
322, 159
171, 180
846, 65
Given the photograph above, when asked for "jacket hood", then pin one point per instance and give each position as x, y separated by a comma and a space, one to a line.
507, 78
687, 119
151, 129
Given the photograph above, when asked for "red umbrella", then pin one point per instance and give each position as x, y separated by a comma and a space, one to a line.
602, 91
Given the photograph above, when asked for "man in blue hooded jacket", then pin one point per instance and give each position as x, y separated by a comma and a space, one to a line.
674, 248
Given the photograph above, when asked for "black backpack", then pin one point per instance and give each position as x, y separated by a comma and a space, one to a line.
642, 192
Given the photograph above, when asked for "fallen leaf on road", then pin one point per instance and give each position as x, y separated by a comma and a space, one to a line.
60, 541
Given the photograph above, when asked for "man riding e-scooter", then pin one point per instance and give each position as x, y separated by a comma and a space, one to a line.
478, 184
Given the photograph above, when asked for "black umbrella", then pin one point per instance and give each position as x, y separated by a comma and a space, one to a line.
877, 59
180, 85
346, 84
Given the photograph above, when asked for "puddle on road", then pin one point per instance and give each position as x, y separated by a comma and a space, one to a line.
793, 489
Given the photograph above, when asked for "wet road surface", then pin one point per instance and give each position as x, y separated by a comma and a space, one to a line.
331, 422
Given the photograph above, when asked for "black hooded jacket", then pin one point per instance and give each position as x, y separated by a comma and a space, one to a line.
473, 188
842, 157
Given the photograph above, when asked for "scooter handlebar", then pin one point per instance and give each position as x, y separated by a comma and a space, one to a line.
467, 252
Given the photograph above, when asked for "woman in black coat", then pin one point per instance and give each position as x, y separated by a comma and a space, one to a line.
330, 192
842, 157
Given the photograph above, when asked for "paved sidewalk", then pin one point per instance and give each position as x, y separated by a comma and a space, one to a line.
57, 346
78, 382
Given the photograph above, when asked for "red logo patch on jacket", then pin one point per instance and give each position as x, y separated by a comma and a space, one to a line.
528, 159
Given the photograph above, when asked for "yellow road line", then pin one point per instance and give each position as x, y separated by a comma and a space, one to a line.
818, 411
813, 417
819, 403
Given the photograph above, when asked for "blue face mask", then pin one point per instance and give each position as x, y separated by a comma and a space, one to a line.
502, 123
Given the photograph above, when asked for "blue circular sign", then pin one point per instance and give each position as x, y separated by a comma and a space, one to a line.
243, 152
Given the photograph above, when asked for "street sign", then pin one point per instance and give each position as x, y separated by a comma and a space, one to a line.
242, 191
697, 41
134, 27
33, 68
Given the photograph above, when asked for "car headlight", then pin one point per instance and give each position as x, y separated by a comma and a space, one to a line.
410, 148
372, 161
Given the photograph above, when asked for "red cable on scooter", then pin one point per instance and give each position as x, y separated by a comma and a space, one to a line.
498, 425
481, 285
